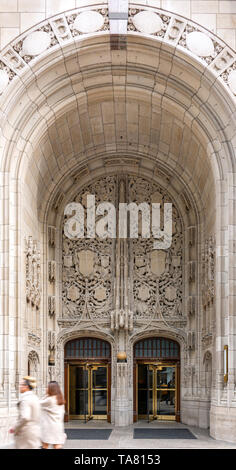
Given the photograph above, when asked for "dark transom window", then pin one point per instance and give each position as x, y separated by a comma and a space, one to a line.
162, 348
87, 348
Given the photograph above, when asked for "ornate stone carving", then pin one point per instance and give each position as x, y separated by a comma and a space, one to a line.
51, 373
167, 26
153, 291
52, 271
33, 339
207, 339
51, 305
4, 80
61, 29
36, 43
88, 22
157, 274
200, 44
121, 319
175, 29
87, 263
51, 347
147, 22
33, 365
33, 275
208, 278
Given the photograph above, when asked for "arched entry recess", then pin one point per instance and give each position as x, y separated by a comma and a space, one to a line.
157, 379
88, 379
42, 146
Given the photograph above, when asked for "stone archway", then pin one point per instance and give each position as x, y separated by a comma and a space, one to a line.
152, 107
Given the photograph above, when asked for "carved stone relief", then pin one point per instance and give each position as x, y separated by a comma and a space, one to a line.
33, 364
87, 263
33, 275
51, 305
51, 347
157, 274
208, 279
155, 287
52, 271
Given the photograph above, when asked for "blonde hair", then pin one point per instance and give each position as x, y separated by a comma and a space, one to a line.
30, 381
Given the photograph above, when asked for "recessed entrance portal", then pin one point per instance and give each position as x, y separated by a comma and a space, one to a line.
156, 379
87, 379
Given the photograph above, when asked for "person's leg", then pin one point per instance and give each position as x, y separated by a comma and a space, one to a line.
57, 446
45, 445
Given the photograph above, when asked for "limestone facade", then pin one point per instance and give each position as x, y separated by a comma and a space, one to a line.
129, 102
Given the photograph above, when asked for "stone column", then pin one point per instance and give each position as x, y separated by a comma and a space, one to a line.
122, 412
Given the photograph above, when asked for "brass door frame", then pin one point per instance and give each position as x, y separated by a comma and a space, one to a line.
155, 365
90, 366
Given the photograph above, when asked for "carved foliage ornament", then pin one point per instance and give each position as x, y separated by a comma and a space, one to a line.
62, 28
154, 283
208, 278
87, 263
33, 275
157, 274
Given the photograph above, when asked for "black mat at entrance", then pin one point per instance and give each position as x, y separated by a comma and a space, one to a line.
152, 433
89, 434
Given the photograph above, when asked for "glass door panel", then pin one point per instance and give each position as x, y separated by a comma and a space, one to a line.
166, 377
165, 392
88, 391
99, 392
78, 391
145, 390
156, 391
165, 403
100, 403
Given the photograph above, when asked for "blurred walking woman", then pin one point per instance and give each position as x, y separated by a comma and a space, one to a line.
52, 417
27, 429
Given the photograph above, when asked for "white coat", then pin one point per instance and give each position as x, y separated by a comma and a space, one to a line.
52, 421
27, 429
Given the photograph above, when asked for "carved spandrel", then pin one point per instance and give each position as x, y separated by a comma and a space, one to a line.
156, 284
87, 263
157, 274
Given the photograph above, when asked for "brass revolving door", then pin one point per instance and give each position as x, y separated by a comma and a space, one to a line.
87, 379
156, 379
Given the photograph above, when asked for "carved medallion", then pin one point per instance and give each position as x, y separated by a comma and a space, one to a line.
86, 262
73, 293
170, 293
158, 262
143, 293
100, 293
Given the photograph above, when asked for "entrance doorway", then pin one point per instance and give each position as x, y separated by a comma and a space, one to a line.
156, 380
157, 391
87, 379
88, 391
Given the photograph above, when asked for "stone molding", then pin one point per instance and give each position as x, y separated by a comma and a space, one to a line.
62, 29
